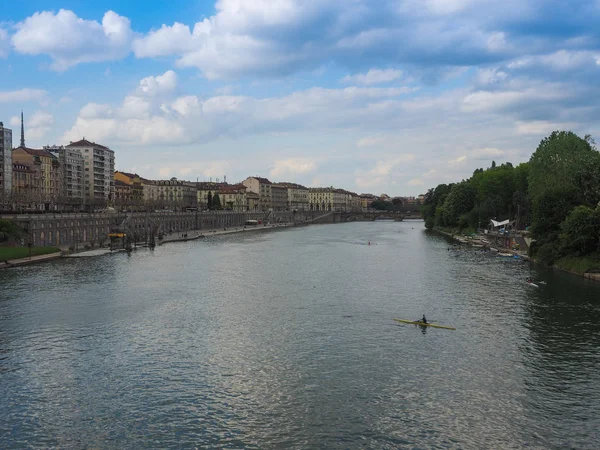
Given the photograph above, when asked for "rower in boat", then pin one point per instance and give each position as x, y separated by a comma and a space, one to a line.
424, 319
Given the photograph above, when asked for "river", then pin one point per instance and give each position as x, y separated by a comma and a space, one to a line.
285, 339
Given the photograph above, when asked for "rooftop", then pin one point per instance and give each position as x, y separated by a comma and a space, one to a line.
85, 143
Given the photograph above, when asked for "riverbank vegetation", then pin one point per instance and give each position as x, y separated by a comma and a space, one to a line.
9, 232
10, 253
555, 195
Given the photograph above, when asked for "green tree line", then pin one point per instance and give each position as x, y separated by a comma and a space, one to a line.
555, 195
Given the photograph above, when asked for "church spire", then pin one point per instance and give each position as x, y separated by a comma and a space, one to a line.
22, 131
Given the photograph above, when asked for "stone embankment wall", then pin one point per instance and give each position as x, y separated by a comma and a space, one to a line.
73, 229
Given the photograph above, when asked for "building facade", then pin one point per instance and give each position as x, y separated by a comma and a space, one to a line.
262, 187
72, 164
26, 184
203, 188
173, 193
279, 197
252, 201
5, 162
233, 197
321, 199
298, 197
135, 192
98, 171
50, 173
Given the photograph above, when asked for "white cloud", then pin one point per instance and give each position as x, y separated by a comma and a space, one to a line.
373, 76
22, 95
415, 182
371, 141
15, 121
162, 84
458, 160
37, 126
167, 40
70, 40
186, 106
540, 127
487, 101
292, 166
262, 37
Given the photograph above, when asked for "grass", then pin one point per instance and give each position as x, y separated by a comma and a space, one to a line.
579, 264
10, 253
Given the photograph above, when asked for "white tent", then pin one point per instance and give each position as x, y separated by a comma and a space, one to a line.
500, 224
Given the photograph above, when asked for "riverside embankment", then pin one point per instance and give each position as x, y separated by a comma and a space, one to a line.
81, 234
582, 267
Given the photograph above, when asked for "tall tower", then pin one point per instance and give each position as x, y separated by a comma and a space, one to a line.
22, 131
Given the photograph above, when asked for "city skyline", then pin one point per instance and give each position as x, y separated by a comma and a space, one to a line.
393, 96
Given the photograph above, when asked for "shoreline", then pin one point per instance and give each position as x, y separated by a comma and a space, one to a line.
586, 275
189, 235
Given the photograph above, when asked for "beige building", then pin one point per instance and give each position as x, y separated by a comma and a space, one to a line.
233, 197
136, 190
298, 197
321, 199
366, 200
26, 186
262, 187
252, 201
50, 173
172, 194
202, 190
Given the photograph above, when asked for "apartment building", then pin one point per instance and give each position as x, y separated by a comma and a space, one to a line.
262, 187
5, 161
98, 170
49, 188
72, 164
171, 193
233, 197
298, 197
279, 197
203, 188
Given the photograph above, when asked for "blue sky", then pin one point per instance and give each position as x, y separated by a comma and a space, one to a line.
391, 96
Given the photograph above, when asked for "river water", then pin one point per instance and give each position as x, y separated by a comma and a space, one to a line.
285, 339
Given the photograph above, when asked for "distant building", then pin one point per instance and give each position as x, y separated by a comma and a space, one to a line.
262, 187
98, 170
171, 193
5, 161
252, 201
279, 197
26, 186
49, 188
134, 195
72, 181
203, 188
233, 197
298, 197
321, 199
366, 200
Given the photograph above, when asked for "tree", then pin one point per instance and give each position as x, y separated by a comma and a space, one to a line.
460, 201
209, 200
216, 201
564, 172
571, 163
581, 231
